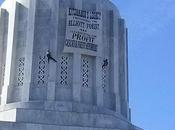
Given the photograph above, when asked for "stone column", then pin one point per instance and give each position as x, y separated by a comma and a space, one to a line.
1, 47
12, 11
29, 51
53, 49
116, 63
123, 76
77, 77
98, 62
3, 44
126, 74
77, 67
99, 90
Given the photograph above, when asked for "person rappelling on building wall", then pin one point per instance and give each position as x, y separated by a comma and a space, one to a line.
49, 56
105, 63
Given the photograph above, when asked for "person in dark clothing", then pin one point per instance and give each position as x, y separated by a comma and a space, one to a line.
105, 63
49, 56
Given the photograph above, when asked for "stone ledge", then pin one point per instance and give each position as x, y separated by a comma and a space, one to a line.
63, 118
62, 106
30, 126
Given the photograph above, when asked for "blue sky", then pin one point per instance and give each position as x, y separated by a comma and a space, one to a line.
151, 25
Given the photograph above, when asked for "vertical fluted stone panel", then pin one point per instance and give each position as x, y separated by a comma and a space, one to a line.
18, 54
3, 45
123, 72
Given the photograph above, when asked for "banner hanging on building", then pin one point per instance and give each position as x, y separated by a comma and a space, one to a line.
83, 30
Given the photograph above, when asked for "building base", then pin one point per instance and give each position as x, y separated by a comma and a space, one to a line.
29, 126
60, 116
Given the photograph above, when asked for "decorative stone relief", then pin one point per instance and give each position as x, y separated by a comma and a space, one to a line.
87, 79
104, 78
42, 70
64, 70
20, 73
105, 71
85, 72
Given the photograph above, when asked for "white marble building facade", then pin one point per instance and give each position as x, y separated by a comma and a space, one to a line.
48, 83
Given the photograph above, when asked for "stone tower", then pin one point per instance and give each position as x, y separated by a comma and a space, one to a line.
63, 66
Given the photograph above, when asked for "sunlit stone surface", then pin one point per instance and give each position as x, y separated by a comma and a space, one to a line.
63, 66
